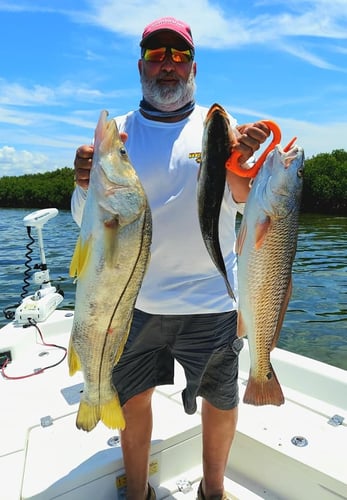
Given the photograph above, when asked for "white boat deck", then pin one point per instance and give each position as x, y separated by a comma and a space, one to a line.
43, 455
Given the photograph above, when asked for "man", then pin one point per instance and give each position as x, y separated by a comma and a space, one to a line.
183, 311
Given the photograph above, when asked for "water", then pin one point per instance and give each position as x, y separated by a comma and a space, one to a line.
316, 321
59, 237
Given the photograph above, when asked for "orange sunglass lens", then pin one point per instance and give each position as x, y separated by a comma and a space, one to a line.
158, 55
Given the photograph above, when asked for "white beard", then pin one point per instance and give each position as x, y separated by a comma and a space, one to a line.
168, 98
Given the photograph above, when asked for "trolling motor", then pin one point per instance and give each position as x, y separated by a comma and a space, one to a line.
39, 306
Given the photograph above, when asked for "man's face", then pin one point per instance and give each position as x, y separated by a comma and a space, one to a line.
167, 85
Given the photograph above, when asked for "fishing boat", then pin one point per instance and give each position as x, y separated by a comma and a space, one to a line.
295, 451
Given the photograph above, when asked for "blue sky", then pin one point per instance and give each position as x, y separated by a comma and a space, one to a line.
62, 61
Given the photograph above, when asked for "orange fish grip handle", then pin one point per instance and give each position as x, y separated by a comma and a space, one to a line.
232, 162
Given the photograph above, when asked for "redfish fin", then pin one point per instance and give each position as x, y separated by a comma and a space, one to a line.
74, 361
80, 258
110, 414
261, 229
259, 392
282, 314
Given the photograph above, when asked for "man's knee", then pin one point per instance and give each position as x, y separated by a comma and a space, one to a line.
141, 400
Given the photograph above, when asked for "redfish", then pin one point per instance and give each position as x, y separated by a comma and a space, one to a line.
266, 247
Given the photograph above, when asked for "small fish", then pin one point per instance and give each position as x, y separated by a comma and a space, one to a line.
217, 141
110, 260
266, 247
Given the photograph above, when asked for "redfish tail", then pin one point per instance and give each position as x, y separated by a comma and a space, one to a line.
260, 392
110, 414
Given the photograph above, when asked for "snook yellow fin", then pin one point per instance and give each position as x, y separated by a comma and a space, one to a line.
111, 229
110, 414
80, 258
74, 361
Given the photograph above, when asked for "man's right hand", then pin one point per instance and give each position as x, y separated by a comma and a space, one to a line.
83, 164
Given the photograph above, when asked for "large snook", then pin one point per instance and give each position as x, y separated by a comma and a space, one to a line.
110, 260
266, 248
216, 148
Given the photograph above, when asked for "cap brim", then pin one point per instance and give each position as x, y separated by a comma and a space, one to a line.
145, 40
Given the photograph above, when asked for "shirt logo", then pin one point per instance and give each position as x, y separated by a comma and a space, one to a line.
195, 156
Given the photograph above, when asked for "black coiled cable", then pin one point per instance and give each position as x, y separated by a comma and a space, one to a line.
10, 311
27, 264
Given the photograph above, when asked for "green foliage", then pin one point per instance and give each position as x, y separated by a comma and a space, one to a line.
325, 183
51, 189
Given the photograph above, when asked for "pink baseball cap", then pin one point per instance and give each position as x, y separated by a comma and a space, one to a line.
180, 28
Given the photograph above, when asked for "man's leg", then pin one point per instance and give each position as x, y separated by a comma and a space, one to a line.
218, 430
136, 443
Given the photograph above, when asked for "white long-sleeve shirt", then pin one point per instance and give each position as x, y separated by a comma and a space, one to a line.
181, 277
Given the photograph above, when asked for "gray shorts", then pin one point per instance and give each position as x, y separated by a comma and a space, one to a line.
205, 345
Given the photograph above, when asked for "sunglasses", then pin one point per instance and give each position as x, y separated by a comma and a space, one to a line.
158, 55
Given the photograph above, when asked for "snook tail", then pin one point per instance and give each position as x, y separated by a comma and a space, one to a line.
110, 412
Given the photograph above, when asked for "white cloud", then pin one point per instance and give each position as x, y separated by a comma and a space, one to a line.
24, 95
215, 25
315, 60
13, 117
20, 95
234, 25
315, 138
43, 124
28, 118
12, 161
313, 17
328, 136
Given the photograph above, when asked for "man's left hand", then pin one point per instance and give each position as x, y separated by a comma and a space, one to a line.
253, 135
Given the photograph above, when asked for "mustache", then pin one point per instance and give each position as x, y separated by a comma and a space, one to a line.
171, 74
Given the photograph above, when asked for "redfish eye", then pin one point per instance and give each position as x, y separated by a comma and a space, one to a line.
300, 172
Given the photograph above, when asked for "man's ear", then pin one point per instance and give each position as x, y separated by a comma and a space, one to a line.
139, 65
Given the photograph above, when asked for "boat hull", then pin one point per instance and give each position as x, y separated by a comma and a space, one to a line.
43, 455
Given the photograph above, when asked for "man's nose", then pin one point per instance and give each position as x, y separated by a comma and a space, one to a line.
168, 62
